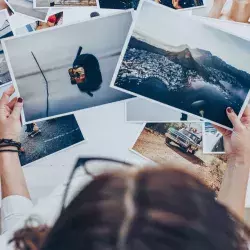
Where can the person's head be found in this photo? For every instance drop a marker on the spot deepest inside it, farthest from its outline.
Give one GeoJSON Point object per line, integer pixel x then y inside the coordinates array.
{"type": "Point", "coordinates": [152, 209]}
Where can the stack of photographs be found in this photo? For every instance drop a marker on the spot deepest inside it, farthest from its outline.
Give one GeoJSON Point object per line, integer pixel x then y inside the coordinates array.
{"type": "Point", "coordinates": [175, 74]}
{"type": "Point", "coordinates": [48, 81]}
{"type": "Point", "coordinates": [184, 81]}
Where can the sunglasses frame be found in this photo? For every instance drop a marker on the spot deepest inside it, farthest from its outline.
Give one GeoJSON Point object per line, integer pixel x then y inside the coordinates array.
{"type": "Point", "coordinates": [81, 162]}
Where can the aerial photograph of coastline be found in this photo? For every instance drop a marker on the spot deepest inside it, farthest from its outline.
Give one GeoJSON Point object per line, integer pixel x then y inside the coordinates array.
{"type": "Point", "coordinates": [191, 72]}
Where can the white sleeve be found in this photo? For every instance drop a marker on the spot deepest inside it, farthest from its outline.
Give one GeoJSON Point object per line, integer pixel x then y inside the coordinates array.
{"type": "Point", "coordinates": [14, 208]}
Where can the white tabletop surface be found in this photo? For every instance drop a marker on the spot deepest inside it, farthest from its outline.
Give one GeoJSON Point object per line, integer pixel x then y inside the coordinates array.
{"type": "Point", "coordinates": [104, 127]}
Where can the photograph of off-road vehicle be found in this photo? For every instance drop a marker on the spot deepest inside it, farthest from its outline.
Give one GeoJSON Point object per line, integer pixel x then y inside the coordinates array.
{"type": "Point", "coordinates": [180, 142]}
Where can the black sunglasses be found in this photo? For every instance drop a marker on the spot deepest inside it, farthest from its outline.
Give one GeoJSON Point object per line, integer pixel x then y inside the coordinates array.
{"type": "Point", "coordinates": [81, 162]}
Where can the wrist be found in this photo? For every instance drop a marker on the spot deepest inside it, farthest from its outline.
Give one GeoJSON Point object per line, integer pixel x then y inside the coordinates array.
{"type": "Point", "coordinates": [242, 161]}
{"type": "Point", "coordinates": [10, 136]}
{"type": "Point", "coordinates": [9, 147]}
{"type": "Point", "coordinates": [7, 159]}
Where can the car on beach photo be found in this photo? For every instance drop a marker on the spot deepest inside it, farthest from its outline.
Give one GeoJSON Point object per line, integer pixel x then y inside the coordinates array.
{"type": "Point", "coordinates": [187, 140]}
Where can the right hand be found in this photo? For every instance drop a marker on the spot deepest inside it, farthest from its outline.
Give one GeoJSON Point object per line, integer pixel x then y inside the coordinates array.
{"type": "Point", "coordinates": [237, 142]}
{"type": "Point", "coordinates": [10, 112]}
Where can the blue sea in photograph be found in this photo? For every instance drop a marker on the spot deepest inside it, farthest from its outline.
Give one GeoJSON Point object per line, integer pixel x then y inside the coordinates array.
{"type": "Point", "coordinates": [189, 79]}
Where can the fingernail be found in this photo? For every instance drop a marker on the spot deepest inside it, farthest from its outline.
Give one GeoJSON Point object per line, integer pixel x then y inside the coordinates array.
{"type": "Point", "coordinates": [20, 99]}
{"type": "Point", "coordinates": [229, 110]}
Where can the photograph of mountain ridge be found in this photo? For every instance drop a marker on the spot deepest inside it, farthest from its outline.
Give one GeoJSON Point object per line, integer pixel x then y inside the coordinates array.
{"type": "Point", "coordinates": [185, 76]}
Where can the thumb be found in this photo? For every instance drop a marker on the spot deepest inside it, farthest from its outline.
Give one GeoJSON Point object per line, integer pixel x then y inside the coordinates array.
{"type": "Point", "coordinates": [237, 124]}
{"type": "Point", "coordinates": [16, 113]}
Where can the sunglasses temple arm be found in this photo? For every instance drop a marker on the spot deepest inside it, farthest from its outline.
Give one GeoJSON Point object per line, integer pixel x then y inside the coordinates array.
{"type": "Point", "coordinates": [68, 184]}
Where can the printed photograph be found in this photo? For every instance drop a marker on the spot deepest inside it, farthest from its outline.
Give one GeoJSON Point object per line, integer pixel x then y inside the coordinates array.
{"type": "Point", "coordinates": [213, 140]}
{"type": "Point", "coordinates": [227, 10]}
{"type": "Point", "coordinates": [5, 31]}
{"type": "Point", "coordinates": [181, 4]}
{"type": "Point", "coordinates": [133, 4]}
{"type": "Point", "coordinates": [118, 4]}
{"type": "Point", "coordinates": [25, 7]}
{"type": "Point", "coordinates": [68, 68]}
{"type": "Point", "coordinates": [44, 138]}
{"type": "Point", "coordinates": [4, 5]}
{"type": "Point", "coordinates": [141, 110]}
{"type": "Point", "coordinates": [189, 71]}
{"type": "Point", "coordinates": [64, 3]}
{"type": "Point", "coordinates": [180, 142]}
{"type": "Point", "coordinates": [53, 20]}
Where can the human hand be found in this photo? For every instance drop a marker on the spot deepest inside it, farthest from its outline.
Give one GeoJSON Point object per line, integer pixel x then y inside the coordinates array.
{"type": "Point", "coordinates": [237, 142]}
{"type": "Point", "coordinates": [10, 111]}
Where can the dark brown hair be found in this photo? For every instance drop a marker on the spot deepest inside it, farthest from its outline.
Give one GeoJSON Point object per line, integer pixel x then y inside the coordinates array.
{"type": "Point", "coordinates": [152, 209]}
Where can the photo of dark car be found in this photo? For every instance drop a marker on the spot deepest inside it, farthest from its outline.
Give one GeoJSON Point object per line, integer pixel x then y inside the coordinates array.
{"type": "Point", "coordinates": [187, 140]}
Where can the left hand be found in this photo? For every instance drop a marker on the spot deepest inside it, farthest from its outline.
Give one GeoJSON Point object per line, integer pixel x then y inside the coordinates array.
{"type": "Point", "coordinates": [10, 112]}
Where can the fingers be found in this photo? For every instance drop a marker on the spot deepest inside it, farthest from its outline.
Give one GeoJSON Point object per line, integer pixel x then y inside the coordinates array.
{"type": "Point", "coordinates": [6, 95]}
{"type": "Point", "coordinates": [237, 124]}
{"type": "Point", "coordinates": [246, 111]}
{"type": "Point", "coordinates": [11, 104]}
{"type": "Point", "coordinates": [16, 113]}
{"type": "Point", "coordinates": [223, 131]}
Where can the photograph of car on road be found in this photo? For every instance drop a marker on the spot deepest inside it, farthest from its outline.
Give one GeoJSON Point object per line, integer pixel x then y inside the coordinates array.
{"type": "Point", "coordinates": [47, 137]}
{"type": "Point", "coordinates": [181, 142]}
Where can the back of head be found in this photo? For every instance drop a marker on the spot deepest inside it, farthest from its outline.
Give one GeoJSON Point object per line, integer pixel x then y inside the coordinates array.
{"type": "Point", "coordinates": [158, 208]}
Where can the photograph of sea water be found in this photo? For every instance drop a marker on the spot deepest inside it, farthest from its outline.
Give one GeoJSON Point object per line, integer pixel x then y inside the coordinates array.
{"type": "Point", "coordinates": [201, 72]}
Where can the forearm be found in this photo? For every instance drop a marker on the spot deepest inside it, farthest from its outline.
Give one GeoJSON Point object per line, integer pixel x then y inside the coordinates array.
{"type": "Point", "coordinates": [12, 177]}
{"type": "Point", "coordinates": [234, 185]}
